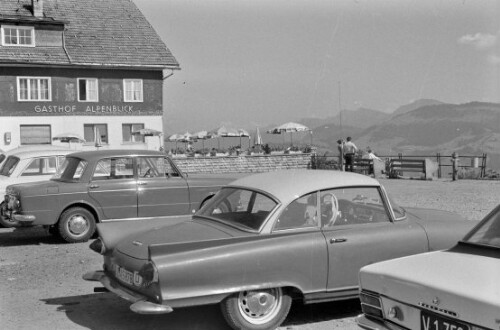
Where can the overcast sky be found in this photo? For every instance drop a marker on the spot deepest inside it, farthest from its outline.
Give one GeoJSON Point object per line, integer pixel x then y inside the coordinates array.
{"type": "Point", "coordinates": [249, 63]}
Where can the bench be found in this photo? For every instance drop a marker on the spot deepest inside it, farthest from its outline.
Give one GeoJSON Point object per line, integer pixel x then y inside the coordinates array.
{"type": "Point", "coordinates": [398, 166]}
{"type": "Point", "coordinates": [363, 166]}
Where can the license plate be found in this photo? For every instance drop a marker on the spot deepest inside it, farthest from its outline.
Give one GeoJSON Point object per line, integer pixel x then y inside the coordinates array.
{"type": "Point", "coordinates": [124, 275]}
{"type": "Point", "coordinates": [430, 321]}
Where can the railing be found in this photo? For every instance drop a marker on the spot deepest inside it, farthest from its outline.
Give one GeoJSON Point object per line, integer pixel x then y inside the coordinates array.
{"type": "Point", "coordinates": [443, 162]}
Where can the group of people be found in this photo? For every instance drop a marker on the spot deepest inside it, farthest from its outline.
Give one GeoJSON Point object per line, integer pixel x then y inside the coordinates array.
{"type": "Point", "coordinates": [347, 152]}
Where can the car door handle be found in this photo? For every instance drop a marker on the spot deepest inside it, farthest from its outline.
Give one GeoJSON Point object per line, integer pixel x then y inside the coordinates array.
{"type": "Point", "coordinates": [338, 240]}
{"type": "Point", "coordinates": [94, 186]}
{"type": "Point", "coordinates": [141, 183]}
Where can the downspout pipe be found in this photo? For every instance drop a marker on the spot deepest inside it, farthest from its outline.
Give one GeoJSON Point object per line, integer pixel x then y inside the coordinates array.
{"type": "Point", "coordinates": [64, 46]}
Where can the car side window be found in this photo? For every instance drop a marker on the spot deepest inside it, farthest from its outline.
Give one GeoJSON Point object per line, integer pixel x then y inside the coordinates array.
{"type": "Point", "coordinates": [301, 213]}
{"type": "Point", "coordinates": [348, 206]}
{"type": "Point", "coordinates": [150, 167]}
{"type": "Point", "coordinates": [40, 166]}
{"type": "Point", "coordinates": [114, 168]}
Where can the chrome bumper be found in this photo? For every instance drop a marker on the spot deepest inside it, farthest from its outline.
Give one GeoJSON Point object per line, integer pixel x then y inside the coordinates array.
{"type": "Point", "coordinates": [25, 219]}
{"type": "Point", "coordinates": [139, 303]}
{"type": "Point", "coordinates": [371, 324]}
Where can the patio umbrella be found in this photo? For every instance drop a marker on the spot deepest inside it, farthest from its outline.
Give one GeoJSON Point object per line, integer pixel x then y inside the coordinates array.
{"type": "Point", "coordinates": [242, 132]}
{"type": "Point", "coordinates": [289, 127]}
{"type": "Point", "coordinates": [187, 138]}
{"type": "Point", "coordinates": [147, 132]}
{"type": "Point", "coordinates": [176, 138]}
{"type": "Point", "coordinates": [97, 138]}
{"type": "Point", "coordinates": [201, 135]}
{"type": "Point", "coordinates": [68, 137]}
{"type": "Point", "coordinates": [150, 132]}
{"type": "Point", "coordinates": [257, 139]}
{"type": "Point", "coordinates": [223, 131]}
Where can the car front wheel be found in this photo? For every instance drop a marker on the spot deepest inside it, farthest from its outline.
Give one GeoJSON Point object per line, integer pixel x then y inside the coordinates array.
{"type": "Point", "coordinates": [76, 225]}
{"type": "Point", "coordinates": [256, 310]}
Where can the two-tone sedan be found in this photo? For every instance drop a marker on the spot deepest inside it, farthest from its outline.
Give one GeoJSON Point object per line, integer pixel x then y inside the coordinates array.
{"type": "Point", "coordinates": [108, 185]}
{"type": "Point", "coordinates": [455, 289]}
{"type": "Point", "coordinates": [264, 240]}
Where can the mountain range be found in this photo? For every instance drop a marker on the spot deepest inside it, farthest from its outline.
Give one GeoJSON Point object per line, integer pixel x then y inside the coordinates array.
{"type": "Point", "coordinates": [425, 127]}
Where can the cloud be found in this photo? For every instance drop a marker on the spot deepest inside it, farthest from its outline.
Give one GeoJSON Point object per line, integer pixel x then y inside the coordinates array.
{"type": "Point", "coordinates": [494, 59]}
{"type": "Point", "coordinates": [480, 41]}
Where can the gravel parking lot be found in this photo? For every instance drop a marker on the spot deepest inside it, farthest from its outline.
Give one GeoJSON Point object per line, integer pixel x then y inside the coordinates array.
{"type": "Point", "coordinates": [41, 285]}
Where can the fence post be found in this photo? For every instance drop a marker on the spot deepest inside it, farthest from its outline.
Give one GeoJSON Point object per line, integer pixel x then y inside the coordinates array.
{"type": "Point", "coordinates": [438, 158]}
{"type": "Point", "coordinates": [483, 166]}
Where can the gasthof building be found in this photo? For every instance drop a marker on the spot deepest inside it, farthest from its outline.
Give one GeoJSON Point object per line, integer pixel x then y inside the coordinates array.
{"type": "Point", "coordinates": [94, 68]}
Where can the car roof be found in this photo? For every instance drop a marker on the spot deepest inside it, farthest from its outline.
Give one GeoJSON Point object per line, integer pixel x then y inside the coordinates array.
{"type": "Point", "coordinates": [33, 147]}
{"type": "Point", "coordinates": [287, 185]}
{"type": "Point", "coordinates": [40, 153]}
{"type": "Point", "coordinates": [98, 154]}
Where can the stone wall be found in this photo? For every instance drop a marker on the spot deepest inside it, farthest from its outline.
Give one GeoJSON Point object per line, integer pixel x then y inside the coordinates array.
{"type": "Point", "coordinates": [243, 163]}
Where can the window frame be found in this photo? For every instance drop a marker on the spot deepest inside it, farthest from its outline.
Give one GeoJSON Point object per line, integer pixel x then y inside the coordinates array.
{"type": "Point", "coordinates": [28, 88]}
{"type": "Point", "coordinates": [92, 140]}
{"type": "Point", "coordinates": [133, 137]}
{"type": "Point", "coordinates": [18, 28]}
{"type": "Point", "coordinates": [30, 127]}
{"type": "Point", "coordinates": [132, 83]}
{"type": "Point", "coordinates": [87, 89]}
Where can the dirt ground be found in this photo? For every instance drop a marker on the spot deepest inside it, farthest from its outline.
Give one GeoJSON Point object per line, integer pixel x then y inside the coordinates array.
{"type": "Point", "coordinates": [41, 283]}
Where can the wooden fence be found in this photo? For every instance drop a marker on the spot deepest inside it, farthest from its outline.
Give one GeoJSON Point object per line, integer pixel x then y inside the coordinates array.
{"type": "Point", "coordinates": [444, 162]}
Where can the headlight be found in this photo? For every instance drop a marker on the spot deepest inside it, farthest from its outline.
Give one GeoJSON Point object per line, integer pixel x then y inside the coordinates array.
{"type": "Point", "coordinates": [371, 305]}
{"type": "Point", "coordinates": [149, 274]}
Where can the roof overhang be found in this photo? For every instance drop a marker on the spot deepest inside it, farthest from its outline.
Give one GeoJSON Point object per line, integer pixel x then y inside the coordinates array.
{"type": "Point", "coordinates": [16, 20]}
{"type": "Point", "coordinates": [90, 66]}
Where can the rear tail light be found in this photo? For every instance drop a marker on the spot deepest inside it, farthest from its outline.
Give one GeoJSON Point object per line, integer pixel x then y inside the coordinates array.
{"type": "Point", "coordinates": [149, 274]}
{"type": "Point", "coordinates": [371, 305]}
{"type": "Point", "coordinates": [98, 246]}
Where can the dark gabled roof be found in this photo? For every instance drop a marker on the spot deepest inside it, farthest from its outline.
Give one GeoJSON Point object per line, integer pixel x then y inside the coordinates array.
{"type": "Point", "coordinates": [112, 33]}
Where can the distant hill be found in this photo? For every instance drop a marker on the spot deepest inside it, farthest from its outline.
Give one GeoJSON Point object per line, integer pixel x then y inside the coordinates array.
{"type": "Point", "coordinates": [415, 105]}
{"type": "Point", "coordinates": [468, 129]}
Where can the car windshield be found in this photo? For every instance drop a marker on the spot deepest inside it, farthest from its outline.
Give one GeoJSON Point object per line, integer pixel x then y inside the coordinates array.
{"type": "Point", "coordinates": [71, 169]}
{"type": "Point", "coordinates": [238, 207]}
{"type": "Point", "coordinates": [488, 232]}
{"type": "Point", "coordinates": [9, 166]}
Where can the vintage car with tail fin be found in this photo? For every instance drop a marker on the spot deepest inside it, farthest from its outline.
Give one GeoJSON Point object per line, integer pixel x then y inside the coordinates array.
{"type": "Point", "coordinates": [264, 240]}
{"type": "Point", "coordinates": [109, 185]}
{"type": "Point", "coordinates": [454, 289]}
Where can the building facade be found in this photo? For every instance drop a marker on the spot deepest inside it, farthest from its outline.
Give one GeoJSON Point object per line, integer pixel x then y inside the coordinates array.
{"type": "Point", "coordinates": [90, 68]}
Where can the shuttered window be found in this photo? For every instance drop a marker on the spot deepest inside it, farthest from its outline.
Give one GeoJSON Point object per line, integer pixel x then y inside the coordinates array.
{"type": "Point", "coordinates": [35, 134]}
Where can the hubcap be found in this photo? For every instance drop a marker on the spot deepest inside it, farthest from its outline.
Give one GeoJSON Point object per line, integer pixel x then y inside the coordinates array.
{"type": "Point", "coordinates": [77, 224]}
{"type": "Point", "coordinates": [259, 307]}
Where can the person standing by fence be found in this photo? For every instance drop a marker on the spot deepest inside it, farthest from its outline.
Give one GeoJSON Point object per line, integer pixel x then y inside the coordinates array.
{"type": "Point", "coordinates": [350, 150]}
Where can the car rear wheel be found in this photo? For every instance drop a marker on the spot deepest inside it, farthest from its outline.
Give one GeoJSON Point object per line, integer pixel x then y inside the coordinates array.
{"type": "Point", "coordinates": [76, 225]}
{"type": "Point", "coordinates": [256, 310]}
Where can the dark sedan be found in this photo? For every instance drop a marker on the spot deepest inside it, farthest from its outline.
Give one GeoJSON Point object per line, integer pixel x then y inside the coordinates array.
{"type": "Point", "coordinates": [106, 185]}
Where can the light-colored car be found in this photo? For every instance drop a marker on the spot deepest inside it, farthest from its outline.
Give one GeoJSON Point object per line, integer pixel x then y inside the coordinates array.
{"type": "Point", "coordinates": [35, 147]}
{"type": "Point", "coordinates": [29, 165]}
{"type": "Point", "coordinates": [455, 289]}
{"type": "Point", "coordinates": [264, 240]}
